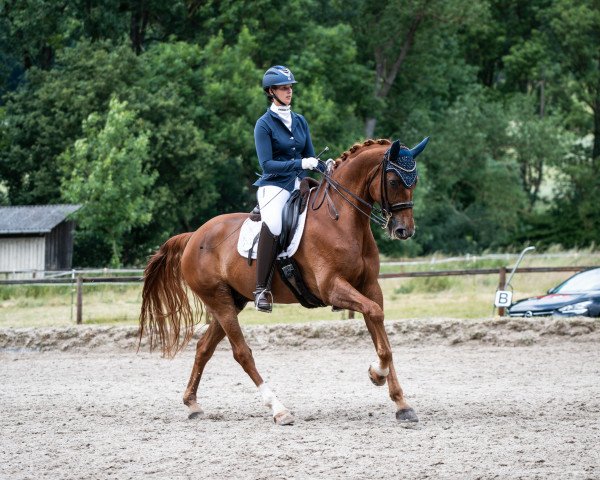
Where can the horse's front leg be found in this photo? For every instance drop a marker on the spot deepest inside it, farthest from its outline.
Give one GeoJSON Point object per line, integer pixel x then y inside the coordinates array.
{"type": "Point", "coordinates": [371, 306]}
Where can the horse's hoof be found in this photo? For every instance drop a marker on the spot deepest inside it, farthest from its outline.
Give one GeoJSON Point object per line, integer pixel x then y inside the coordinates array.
{"type": "Point", "coordinates": [195, 411]}
{"type": "Point", "coordinates": [407, 417]}
{"type": "Point", "coordinates": [284, 418]}
{"type": "Point", "coordinates": [376, 379]}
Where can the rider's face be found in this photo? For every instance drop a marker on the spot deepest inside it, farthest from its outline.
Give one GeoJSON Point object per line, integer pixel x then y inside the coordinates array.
{"type": "Point", "coordinates": [283, 93]}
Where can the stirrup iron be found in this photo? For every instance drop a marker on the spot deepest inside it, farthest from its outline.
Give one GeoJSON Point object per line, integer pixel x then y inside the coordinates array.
{"type": "Point", "coordinates": [263, 300]}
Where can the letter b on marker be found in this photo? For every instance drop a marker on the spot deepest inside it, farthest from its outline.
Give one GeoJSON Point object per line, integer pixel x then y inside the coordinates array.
{"type": "Point", "coordinates": [503, 298]}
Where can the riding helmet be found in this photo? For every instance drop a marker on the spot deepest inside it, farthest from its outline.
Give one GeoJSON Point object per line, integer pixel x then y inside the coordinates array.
{"type": "Point", "coordinates": [278, 75]}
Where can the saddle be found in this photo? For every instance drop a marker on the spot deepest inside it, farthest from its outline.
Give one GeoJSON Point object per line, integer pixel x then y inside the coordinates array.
{"type": "Point", "coordinates": [288, 268]}
{"type": "Point", "coordinates": [292, 209]}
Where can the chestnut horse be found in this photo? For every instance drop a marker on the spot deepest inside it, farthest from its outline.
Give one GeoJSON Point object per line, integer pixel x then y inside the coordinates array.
{"type": "Point", "coordinates": [338, 257]}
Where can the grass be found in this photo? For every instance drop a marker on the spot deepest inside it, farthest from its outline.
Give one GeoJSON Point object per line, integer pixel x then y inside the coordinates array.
{"type": "Point", "coordinates": [456, 296]}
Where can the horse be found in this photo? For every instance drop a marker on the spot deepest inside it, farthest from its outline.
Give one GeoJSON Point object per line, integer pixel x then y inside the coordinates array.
{"type": "Point", "coordinates": [338, 258]}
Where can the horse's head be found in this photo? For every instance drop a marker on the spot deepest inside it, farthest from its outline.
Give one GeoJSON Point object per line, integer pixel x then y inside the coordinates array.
{"type": "Point", "coordinates": [394, 190]}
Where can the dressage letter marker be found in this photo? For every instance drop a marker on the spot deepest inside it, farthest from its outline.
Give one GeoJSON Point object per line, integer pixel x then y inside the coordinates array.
{"type": "Point", "coordinates": [503, 298]}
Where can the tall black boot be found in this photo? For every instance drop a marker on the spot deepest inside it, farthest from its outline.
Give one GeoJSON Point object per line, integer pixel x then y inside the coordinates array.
{"type": "Point", "coordinates": [265, 261]}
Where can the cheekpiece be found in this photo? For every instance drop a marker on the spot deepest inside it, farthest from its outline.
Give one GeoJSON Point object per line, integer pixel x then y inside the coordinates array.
{"type": "Point", "coordinates": [399, 159]}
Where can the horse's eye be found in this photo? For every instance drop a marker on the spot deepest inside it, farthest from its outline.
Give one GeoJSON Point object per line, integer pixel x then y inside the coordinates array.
{"type": "Point", "coordinates": [393, 183]}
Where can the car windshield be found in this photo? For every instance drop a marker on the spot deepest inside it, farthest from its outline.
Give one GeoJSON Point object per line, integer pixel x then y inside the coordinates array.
{"type": "Point", "coordinates": [582, 282]}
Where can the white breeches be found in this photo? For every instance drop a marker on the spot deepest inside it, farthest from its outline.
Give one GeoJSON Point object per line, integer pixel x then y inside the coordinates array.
{"type": "Point", "coordinates": [271, 201]}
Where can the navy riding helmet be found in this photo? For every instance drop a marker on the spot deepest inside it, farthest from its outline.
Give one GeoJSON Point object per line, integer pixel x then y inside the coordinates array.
{"type": "Point", "coordinates": [277, 75]}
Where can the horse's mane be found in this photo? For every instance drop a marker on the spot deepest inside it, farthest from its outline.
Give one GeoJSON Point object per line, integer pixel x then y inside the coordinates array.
{"type": "Point", "coordinates": [357, 146]}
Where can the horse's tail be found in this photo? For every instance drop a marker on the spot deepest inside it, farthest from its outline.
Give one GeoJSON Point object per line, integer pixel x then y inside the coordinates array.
{"type": "Point", "coordinates": [167, 316]}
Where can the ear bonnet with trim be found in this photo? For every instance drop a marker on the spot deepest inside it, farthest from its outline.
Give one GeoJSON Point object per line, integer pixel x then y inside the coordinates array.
{"type": "Point", "coordinates": [401, 160]}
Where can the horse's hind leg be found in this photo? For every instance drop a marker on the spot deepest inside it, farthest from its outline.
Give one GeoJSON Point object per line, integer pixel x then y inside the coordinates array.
{"type": "Point", "coordinates": [204, 351]}
{"type": "Point", "coordinates": [227, 317]}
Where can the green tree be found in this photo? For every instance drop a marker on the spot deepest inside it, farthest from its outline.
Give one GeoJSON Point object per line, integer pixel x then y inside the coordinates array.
{"type": "Point", "coordinates": [403, 29]}
{"type": "Point", "coordinates": [473, 194]}
{"type": "Point", "coordinates": [575, 26]}
{"type": "Point", "coordinates": [561, 59]}
{"type": "Point", "coordinates": [330, 77]}
{"type": "Point", "coordinates": [105, 172]}
{"type": "Point", "coordinates": [538, 144]}
{"type": "Point", "coordinates": [45, 115]}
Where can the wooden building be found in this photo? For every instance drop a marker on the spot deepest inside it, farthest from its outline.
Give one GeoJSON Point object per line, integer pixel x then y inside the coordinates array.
{"type": "Point", "coordinates": [36, 238]}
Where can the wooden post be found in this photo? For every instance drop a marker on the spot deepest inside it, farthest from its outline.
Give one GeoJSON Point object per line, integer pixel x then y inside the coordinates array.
{"type": "Point", "coordinates": [79, 300]}
{"type": "Point", "coordinates": [350, 314]}
{"type": "Point", "coordinates": [502, 286]}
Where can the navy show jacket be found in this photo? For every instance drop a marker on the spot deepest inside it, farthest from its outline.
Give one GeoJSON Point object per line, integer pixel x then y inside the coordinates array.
{"type": "Point", "coordinates": [280, 152]}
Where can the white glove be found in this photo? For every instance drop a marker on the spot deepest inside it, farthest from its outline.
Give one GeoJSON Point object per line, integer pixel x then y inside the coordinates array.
{"type": "Point", "coordinates": [310, 163]}
{"type": "Point", "coordinates": [329, 164]}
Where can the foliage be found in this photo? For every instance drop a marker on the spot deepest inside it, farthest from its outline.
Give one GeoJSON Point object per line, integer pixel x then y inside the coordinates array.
{"type": "Point", "coordinates": [508, 91]}
{"type": "Point", "coordinates": [45, 115]}
{"type": "Point", "coordinates": [472, 187]}
{"type": "Point", "coordinates": [105, 172]}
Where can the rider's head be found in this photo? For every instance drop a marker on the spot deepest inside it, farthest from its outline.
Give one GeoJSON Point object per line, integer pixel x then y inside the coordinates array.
{"type": "Point", "coordinates": [277, 84]}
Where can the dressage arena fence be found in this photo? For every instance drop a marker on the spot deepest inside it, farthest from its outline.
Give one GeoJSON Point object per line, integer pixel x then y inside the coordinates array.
{"type": "Point", "coordinates": [78, 278]}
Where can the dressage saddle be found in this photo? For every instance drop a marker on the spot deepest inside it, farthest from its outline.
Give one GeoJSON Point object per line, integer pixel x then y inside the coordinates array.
{"type": "Point", "coordinates": [288, 268]}
{"type": "Point", "coordinates": [292, 210]}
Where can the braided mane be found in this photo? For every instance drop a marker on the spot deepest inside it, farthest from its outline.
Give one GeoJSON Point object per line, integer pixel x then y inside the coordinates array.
{"type": "Point", "coordinates": [357, 146]}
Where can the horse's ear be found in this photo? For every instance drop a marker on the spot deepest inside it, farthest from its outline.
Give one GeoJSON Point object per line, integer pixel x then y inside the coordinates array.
{"type": "Point", "coordinates": [394, 150]}
{"type": "Point", "coordinates": [420, 147]}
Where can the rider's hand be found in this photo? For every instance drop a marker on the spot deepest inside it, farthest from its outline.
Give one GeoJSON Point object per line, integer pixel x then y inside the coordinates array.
{"type": "Point", "coordinates": [310, 163]}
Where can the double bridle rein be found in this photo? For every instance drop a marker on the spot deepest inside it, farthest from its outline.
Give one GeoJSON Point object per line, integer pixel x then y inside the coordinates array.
{"type": "Point", "coordinates": [381, 217]}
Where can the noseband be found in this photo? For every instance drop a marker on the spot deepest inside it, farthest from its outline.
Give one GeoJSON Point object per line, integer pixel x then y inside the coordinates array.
{"type": "Point", "coordinates": [408, 174]}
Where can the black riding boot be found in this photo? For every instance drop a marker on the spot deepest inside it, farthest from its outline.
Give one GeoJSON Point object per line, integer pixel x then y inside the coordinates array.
{"type": "Point", "coordinates": [265, 260]}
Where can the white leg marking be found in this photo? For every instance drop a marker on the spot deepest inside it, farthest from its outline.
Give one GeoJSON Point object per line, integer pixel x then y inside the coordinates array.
{"type": "Point", "coordinates": [270, 400]}
{"type": "Point", "coordinates": [382, 372]}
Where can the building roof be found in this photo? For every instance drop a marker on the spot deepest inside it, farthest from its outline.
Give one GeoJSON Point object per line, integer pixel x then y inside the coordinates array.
{"type": "Point", "coordinates": [33, 218]}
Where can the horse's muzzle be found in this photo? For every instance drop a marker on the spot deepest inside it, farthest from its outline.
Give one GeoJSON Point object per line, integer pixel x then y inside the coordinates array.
{"type": "Point", "coordinates": [400, 231]}
{"type": "Point", "coordinates": [403, 233]}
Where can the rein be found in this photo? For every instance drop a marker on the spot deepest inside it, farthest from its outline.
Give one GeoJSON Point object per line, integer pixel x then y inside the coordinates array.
{"type": "Point", "coordinates": [382, 217]}
{"type": "Point", "coordinates": [342, 191]}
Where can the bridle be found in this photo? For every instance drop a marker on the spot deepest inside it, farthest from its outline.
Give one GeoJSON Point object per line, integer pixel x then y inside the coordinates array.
{"type": "Point", "coordinates": [381, 217]}
{"type": "Point", "coordinates": [388, 165]}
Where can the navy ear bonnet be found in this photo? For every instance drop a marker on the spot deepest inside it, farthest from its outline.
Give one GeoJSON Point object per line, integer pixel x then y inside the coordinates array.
{"type": "Point", "coordinates": [400, 160]}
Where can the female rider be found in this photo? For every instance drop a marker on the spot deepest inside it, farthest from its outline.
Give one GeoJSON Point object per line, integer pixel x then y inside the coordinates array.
{"type": "Point", "coordinates": [284, 150]}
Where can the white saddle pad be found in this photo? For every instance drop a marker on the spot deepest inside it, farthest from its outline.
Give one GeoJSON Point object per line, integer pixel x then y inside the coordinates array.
{"type": "Point", "coordinates": [251, 229]}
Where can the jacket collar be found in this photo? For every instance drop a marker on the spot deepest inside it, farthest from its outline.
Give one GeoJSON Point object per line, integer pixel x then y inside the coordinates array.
{"type": "Point", "coordinates": [276, 117]}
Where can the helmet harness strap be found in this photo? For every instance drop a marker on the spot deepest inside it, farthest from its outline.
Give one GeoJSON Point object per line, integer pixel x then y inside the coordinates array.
{"type": "Point", "coordinates": [272, 95]}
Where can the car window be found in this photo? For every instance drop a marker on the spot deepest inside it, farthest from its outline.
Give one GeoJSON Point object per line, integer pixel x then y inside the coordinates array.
{"type": "Point", "coordinates": [582, 282]}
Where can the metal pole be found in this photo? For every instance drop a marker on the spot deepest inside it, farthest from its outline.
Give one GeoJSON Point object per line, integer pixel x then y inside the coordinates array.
{"type": "Point", "coordinates": [79, 300]}
{"type": "Point", "coordinates": [528, 249]}
{"type": "Point", "coordinates": [501, 286]}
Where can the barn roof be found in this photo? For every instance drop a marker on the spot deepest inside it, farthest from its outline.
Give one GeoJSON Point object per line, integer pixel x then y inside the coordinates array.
{"type": "Point", "coordinates": [33, 218]}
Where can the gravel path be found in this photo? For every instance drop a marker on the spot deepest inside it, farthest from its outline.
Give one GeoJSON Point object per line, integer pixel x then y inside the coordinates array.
{"type": "Point", "coordinates": [89, 409]}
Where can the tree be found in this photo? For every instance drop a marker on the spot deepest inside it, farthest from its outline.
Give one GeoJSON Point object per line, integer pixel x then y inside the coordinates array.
{"type": "Point", "coordinates": [45, 115]}
{"type": "Point", "coordinates": [575, 28]}
{"type": "Point", "coordinates": [563, 59]}
{"type": "Point", "coordinates": [473, 196]}
{"type": "Point", "coordinates": [105, 171]}
{"type": "Point", "coordinates": [538, 144]}
{"type": "Point", "coordinates": [401, 28]}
